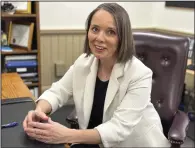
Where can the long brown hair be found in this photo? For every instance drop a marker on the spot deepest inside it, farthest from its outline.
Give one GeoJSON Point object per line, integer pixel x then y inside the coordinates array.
{"type": "Point", "coordinates": [126, 47]}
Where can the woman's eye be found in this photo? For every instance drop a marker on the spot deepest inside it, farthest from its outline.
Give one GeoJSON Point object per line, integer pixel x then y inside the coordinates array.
{"type": "Point", "coordinates": [94, 29]}
{"type": "Point", "coordinates": [111, 32]}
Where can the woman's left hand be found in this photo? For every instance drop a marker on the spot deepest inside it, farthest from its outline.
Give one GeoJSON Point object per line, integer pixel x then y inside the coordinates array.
{"type": "Point", "coordinates": [51, 132]}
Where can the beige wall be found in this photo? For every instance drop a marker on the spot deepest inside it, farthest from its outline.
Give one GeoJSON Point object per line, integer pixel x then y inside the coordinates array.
{"type": "Point", "coordinates": [76, 13]}
{"type": "Point", "coordinates": [176, 19]}
{"type": "Point", "coordinates": [142, 15]}
{"type": "Point", "coordinates": [58, 47]}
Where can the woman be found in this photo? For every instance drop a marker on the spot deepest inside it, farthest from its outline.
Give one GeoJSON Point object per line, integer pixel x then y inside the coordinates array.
{"type": "Point", "coordinates": [110, 87]}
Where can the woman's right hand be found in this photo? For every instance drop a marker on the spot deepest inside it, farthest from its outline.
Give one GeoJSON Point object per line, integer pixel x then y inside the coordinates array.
{"type": "Point", "coordinates": [34, 115]}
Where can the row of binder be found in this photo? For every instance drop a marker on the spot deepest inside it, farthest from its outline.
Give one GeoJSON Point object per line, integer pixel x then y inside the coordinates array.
{"type": "Point", "coordinates": [25, 65]}
{"type": "Point", "coordinates": [22, 69]}
{"type": "Point", "coordinates": [21, 63]}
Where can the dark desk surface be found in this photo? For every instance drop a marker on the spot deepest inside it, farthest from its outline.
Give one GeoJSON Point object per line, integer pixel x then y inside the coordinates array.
{"type": "Point", "coordinates": [15, 110]}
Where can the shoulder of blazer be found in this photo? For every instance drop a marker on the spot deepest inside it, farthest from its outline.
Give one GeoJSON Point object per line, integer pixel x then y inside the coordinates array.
{"type": "Point", "coordinates": [84, 61]}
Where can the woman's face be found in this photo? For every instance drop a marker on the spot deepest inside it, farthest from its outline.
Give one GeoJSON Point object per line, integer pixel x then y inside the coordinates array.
{"type": "Point", "coordinates": [102, 35]}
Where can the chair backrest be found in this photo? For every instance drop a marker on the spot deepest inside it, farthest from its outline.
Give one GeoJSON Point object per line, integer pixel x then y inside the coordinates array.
{"type": "Point", "coordinates": [166, 56]}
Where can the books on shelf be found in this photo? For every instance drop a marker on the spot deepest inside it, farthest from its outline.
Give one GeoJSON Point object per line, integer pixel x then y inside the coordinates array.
{"type": "Point", "coordinates": [30, 80]}
{"type": "Point", "coordinates": [20, 63]}
{"type": "Point", "coordinates": [20, 57]}
{"type": "Point", "coordinates": [34, 91]}
{"type": "Point", "coordinates": [22, 69]}
{"type": "Point", "coordinates": [25, 65]}
{"type": "Point", "coordinates": [25, 75]}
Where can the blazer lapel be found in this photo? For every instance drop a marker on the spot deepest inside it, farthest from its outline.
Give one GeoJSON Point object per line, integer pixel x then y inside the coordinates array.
{"type": "Point", "coordinates": [113, 86]}
{"type": "Point", "coordinates": [89, 91]}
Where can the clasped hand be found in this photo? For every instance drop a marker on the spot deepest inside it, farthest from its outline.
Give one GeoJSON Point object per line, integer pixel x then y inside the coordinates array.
{"type": "Point", "coordinates": [49, 132]}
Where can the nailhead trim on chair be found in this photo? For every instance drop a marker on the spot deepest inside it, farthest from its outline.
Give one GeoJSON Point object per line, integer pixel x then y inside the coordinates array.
{"type": "Point", "coordinates": [175, 142]}
{"type": "Point", "coordinates": [72, 122]}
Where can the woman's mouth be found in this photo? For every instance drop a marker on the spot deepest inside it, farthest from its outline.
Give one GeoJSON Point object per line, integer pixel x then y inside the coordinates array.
{"type": "Point", "coordinates": [99, 48]}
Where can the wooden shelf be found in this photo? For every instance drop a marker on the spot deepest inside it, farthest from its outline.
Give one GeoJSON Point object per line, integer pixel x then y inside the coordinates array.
{"type": "Point", "coordinates": [18, 15]}
{"type": "Point", "coordinates": [33, 84]}
{"type": "Point", "coordinates": [15, 51]}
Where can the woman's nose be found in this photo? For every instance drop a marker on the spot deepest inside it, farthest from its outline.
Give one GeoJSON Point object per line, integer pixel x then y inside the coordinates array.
{"type": "Point", "coordinates": [100, 36]}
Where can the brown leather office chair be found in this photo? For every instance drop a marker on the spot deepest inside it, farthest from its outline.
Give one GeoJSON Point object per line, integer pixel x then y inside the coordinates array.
{"type": "Point", "coordinates": [166, 56]}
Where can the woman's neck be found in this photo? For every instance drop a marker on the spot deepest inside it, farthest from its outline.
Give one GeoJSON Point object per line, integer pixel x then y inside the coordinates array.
{"type": "Point", "coordinates": [105, 69]}
{"type": "Point", "coordinates": [106, 65]}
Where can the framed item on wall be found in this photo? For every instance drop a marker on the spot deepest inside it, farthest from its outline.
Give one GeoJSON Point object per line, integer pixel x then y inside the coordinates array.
{"type": "Point", "coordinates": [22, 7]}
{"type": "Point", "coordinates": [20, 35]}
{"type": "Point", "coordinates": [180, 4]}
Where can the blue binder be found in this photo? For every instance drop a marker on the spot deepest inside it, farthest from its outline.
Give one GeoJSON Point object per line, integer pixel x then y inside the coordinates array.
{"type": "Point", "coordinates": [21, 63]}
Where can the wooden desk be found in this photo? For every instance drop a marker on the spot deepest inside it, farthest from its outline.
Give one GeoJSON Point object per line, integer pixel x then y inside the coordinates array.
{"type": "Point", "coordinates": [12, 86]}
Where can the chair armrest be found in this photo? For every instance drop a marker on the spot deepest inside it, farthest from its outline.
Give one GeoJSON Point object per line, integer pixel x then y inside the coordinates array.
{"type": "Point", "coordinates": [72, 119]}
{"type": "Point", "coordinates": [177, 132]}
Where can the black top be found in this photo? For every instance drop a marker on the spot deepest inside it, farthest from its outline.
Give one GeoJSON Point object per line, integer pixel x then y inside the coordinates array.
{"type": "Point", "coordinates": [98, 103]}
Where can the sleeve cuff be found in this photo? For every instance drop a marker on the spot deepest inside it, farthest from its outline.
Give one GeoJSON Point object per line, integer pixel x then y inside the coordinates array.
{"type": "Point", "coordinates": [51, 100]}
{"type": "Point", "coordinates": [104, 132]}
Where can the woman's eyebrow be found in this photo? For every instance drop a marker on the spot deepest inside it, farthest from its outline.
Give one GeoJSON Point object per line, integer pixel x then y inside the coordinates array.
{"type": "Point", "coordinates": [94, 25]}
{"type": "Point", "coordinates": [112, 28]}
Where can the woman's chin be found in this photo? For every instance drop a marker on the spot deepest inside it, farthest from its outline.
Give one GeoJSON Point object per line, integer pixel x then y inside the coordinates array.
{"type": "Point", "coordinates": [98, 56]}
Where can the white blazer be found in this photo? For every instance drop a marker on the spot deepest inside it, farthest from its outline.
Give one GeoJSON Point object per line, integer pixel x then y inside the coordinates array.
{"type": "Point", "coordinates": [129, 118]}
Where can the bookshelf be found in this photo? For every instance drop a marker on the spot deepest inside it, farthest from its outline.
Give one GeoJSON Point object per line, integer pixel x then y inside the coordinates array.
{"type": "Point", "coordinates": [18, 15]}
{"type": "Point", "coordinates": [34, 50]}
{"type": "Point", "coordinates": [18, 51]}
